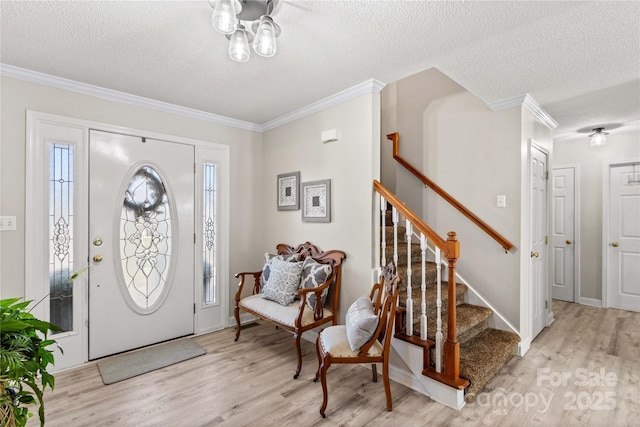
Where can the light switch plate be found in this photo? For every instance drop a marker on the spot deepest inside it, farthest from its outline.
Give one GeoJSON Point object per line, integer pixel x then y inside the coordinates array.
{"type": "Point", "coordinates": [7, 223]}
{"type": "Point", "coordinates": [501, 201]}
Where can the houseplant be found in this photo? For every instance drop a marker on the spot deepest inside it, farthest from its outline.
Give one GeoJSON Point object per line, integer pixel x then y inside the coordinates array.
{"type": "Point", "coordinates": [24, 358]}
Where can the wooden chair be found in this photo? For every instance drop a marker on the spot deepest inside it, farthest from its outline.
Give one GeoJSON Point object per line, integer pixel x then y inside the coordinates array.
{"type": "Point", "coordinates": [333, 347]}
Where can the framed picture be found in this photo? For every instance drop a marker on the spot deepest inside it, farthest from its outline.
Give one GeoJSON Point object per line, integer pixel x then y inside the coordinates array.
{"type": "Point", "coordinates": [288, 191]}
{"type": "Point", "coordinates": [316, 201]}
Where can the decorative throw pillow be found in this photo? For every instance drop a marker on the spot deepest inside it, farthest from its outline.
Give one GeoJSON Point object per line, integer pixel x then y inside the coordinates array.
{"type": "Point", "coordinates": [267, 263]}
{"type": "Point", "coordinates": [283, 281]}
{"type": "Point", "coordinates": [361, 322]}
{"type": "Point", "coordinates": [315, 274]}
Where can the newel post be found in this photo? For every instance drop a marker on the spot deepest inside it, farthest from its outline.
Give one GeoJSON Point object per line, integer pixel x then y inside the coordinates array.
{"type": "Point", "coordinates": [451, 345]}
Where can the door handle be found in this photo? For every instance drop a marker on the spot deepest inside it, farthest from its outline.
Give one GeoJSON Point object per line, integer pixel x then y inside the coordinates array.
{"type": "Point", "coordinates": [615, 244]}
{"type": "Point", "coordinates": [535, 254]}
{"type": "Point", "coordinates": [97, 258]}
{"type": "Point", "coordinates": [568, 242]}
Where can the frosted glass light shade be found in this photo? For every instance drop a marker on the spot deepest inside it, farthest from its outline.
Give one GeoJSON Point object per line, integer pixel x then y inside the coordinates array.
{"type": "Point", "coordinates": [265, 41]}
{"type": "Point", "coordinates": [598, 139]}
{"type": "Point", "coordinates": [224, 16]}
{"type": "Point", "coordinates": [239, 49]}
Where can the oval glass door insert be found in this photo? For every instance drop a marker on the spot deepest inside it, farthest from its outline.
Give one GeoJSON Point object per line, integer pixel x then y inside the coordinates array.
{"type": "Point", "coordinates": [145, 238]}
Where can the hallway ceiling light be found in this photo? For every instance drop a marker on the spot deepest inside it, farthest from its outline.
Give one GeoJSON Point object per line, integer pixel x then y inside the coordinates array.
{"type": "Point", "coordinates": [227, 19]}
{"type": "Point", "coordinates": [598, 137]}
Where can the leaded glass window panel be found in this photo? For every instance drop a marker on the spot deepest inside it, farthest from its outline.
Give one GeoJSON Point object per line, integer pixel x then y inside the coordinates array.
{"type": "Point", "coordinates": [209, 235]}
{"type": "Point", "coordinates": [61, 235]}
{"type": "Point", "coordinates": [145, 237]}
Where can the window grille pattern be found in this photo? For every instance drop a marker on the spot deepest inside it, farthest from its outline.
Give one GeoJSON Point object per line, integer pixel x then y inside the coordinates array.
{"type": "Point", "coordinates": [209, 234]}
{"type": "Point", "coordinates": [145, 237]}
{"type": "Point", "coordinates": [61, 235]}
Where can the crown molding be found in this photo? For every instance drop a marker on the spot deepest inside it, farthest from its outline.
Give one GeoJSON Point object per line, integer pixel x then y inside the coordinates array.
{"type": "Point", "coordinates": [369, 86]}
{"type": "Point", "coordinates": [114, 95]}
{"type": "Point", "coordinates": [530, 104]}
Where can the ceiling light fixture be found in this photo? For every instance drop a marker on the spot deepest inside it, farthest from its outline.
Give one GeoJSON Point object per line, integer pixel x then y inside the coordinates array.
{"type": "Point", "coordinates": [227, 19]}
{"type": "Point", "coordinates": [598, 137]}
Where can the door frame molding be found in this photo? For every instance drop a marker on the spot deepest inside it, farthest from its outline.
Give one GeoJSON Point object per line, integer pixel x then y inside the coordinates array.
{"type": "Point", "coordinates": [606, 194]}
{"type": "Point", "coordinates": [576, 227]}
{"type": "Point", "coordinates": [36, 276]}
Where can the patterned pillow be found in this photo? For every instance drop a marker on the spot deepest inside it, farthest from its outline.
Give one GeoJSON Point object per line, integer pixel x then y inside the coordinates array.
{"type": "Point", "coordinates": [283, 281]}
{"type": "Point", "coordinates": [361, 322]}
{"type": "Point", "coordinates": [315, 274]}
{"type": "Point", "coordinates": [267, 264]}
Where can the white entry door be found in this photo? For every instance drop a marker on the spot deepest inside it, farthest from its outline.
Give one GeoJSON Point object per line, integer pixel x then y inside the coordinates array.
{"type": "Point", "coordinates": [141, 249]}
{"type": "Point", "coordinates": [563, 235]}
{"type": "Point", "coordinates": [623, 243]}
{"type": "Point", "coordinates": [538, 233]}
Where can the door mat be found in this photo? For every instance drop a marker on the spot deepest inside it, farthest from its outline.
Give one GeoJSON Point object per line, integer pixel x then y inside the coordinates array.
{"type": "Point", "coordinates": [122, 367]}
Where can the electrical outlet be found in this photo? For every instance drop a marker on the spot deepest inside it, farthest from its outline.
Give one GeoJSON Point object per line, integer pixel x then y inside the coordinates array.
{"type": "Point", "coordinates": [7, 223]}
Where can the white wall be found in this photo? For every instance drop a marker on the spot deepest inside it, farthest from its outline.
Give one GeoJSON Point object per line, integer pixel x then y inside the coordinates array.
{"type": "Point", "coordinates": [352, 163]}
{"type": "Point", "coordinates": [19, 96]}
{"type": "Point", "coordinates": [620, 146]}
{"type": "Point", "coordinates": [474, 154]}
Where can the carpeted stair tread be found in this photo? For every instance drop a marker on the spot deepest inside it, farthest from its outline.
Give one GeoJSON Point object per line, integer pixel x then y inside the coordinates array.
{"type": "Point", "coordinates": [470, 320]}
{"type": "Point", "coordinates": [416, 255]}
{"type": "Point", "coordinates": [389, 232]}
{"type": "Point", "coordinates": [482, 357]}
{"type": "Point", "coordinates": [430, 295]}
{"type": "Point", "coordinates": [430, 275]}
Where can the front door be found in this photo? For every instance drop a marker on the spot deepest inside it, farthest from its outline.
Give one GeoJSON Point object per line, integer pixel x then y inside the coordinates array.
{"type": "Point", "coordinates": [141, 249]}
{"type": "Point", "coordinates": [538, 240]}
{"type": "Point", "coordinates": [563, 235]}
{"type": "Point", "coordinates": [623, 243]}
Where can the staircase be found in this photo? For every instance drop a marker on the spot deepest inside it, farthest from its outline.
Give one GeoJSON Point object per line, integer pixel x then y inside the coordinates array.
{"type": "Point", "coordinates": [483, 350]}
{"type": "Point", "coordinates": [459, 349]}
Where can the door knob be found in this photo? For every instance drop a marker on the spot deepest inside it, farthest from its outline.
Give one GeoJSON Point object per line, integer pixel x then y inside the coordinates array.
{"type": "Point", "coordinates": [615, 244]}
{"type": "Point", "coordinates": [568, 242]}
{"type": "Point", "coordinates": [97, 258]}
{"type": "Point", "coordinates": [535, 254]}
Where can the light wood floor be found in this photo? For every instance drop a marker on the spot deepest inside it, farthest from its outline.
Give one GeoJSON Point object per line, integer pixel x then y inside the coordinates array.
{"type": "Point", "coordinates": [250, 383]}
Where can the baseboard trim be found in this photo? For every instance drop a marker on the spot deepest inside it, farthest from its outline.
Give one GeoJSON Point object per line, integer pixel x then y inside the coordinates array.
{"type": "Point", "coordinates": [523, 347]}
{"type": "Point", "coordinates": [244, 319]}
{"type": "Point", "coordinates": [592, 302]}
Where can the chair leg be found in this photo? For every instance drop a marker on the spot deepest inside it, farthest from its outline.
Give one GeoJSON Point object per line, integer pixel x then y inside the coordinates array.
{"type": "Point", "coordinates": [296, 344]}
{"type": "Point", "coordinates": [323, 380]}
{"type": "Point", "coordinates": [387, 386]}
{"type": "Point", "coordinates": [374, 372]}
{"type": "Point", "coordinates": [319, 357]}
{"type": "Point", "coordinates": [236, 314]}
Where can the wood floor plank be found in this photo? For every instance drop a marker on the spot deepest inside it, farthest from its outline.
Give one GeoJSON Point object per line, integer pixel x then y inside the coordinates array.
{"type": "Point", "coordinates": [250, 383]}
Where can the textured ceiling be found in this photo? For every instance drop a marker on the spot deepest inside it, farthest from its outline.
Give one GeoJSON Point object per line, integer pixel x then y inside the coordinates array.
{"type": "Point", "coordinates": [579, 60]}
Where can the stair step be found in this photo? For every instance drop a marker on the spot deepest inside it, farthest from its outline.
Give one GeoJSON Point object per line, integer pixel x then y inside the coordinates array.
{"type": "Point", "coordinates": [430, 295]}
{"type": "Point", "coordinates": [482, 357]}
{"type": "Point", "coordinates": [416, 275]}
{"type": "Point", "coordinates": [389, 233]}
{"type": "Point", "coordinates": [470, 321]}
{"type": "Point", "coordinates": [416, 255]}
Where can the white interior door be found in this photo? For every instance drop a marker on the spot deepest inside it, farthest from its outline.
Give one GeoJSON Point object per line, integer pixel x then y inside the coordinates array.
{"type": "Point", "coordinates": [538, 240]}
{"type": "Point", "coordinates": [141, 250]}
{"type": "Point", "coordinates": [563, 235]}
{"type": "Point", "coordinates": [623, 243]}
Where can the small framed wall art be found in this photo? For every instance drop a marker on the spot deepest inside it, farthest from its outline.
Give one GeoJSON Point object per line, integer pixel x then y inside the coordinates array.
{"type": "Point", "coordinates": [316, 201]}
{"type": "Point", "coordinates": [289, 191]}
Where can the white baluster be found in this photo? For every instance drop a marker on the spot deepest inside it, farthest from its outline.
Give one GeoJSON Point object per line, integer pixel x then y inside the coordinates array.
{"type": "Point", "coordinates": [394, 217]}
{"type": "Point", "coordinates": [438, 312]}
{"type": "Point", "coordinates": [423, 288]}
{"type": "Point", "coordinates": [409, 303]}
{"type": "Point", "coordinates": [383, 245]}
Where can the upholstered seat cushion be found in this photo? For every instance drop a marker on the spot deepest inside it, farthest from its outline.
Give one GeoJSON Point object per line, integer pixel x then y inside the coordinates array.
{"type": "Point", "coordinates": [334, 341]}
{"type": "Point", "coordinates": [285, 315]}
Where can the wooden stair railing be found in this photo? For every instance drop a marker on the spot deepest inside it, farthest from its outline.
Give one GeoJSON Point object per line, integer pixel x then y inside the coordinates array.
{"type": "Point", "coordinates": [447, 365]}
{"type": "Point", "coordinates": [506, 244]}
